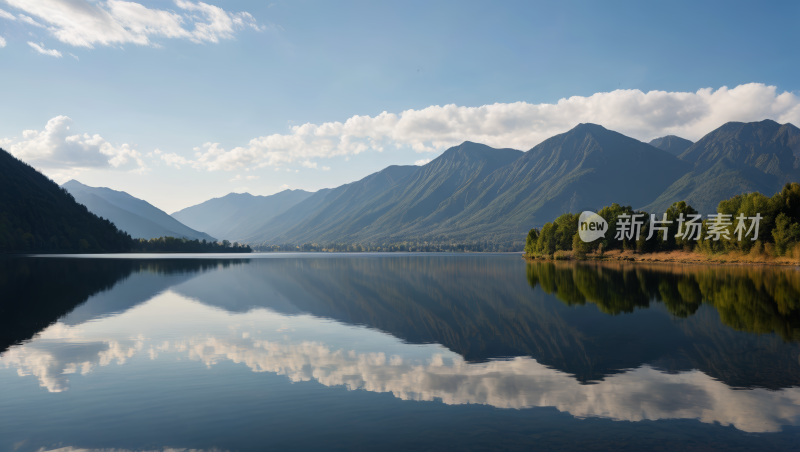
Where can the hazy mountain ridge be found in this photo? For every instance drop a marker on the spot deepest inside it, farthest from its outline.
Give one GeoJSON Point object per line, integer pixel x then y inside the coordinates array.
{"type": "Point", "coordinates": [238, 215]}
{"type": "Point", "coordinates": [135, 216]}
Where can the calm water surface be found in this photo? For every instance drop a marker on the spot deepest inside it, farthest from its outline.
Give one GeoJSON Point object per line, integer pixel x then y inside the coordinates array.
{"type": "Point", "coordinates": [395, 352]}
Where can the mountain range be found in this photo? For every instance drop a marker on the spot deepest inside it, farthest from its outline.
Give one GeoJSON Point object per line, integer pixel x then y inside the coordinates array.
{"type": "Point", "coordinates": [475, 192]}
{"type": "Point", "coordinates": [137, 217]}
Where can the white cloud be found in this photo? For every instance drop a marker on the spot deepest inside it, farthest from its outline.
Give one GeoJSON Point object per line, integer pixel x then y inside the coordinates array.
{"type": "Point", "coordinates": [175, 160]}
{"type": "Point", "coordinates": [517, 125]}
{"type": "Point", "coordinates": [326, 168]}
{"type": "Point", "coordinates": [422, 162]}
{"type": "Point", "coordinates": [40, 48]}
{"type": "Point", "coordinates": [239, 177]}
{"type": "Point", "coordinates": [7, 15]}
{"type": "Point", "coordinates": [30, 21]}
{"type": "Point", "coordinates": [74, 56]}
{"type": "Point", "coordinates": [2, 42]}
{"type": "Point", "coordinates": [309, 164]}
{"type": "Point", "coordinates": [54, 148]}
{"type": "Point", "coordinates": [284, 187]}
{"type": "Point", "coordinates": [113, 22]}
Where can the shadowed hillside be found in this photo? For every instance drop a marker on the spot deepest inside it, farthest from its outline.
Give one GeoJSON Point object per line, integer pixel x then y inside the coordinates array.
{"type": "Point", "coordinates": [38, 216]}
{"type": "Point", "coordinates": [137, 217]}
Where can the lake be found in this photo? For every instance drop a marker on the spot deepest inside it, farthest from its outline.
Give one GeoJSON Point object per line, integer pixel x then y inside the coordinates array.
{"type": "Point", "coordinates": [395, 352]}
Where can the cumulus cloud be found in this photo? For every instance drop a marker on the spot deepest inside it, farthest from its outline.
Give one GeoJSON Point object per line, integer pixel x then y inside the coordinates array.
{"type": "Point", "coordinates": [2, 42]}
{"type": "Point", "coordinates": [517, 125]}
{"type": "Point", "coordinates": [422, 162]}
{"type": "Point", "coordinates": [40, 48]}
{"type": "Point", "coordinates": [54, 148]}
{"type": "Point", "coordinates": [114, 22]}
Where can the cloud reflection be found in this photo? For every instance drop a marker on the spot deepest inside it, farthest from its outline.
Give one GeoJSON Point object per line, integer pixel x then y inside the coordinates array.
{"type": "Point", "coordinates": [258, 340]}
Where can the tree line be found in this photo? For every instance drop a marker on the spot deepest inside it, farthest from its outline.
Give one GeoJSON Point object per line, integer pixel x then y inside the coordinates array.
{"type": "Point", "coordinates": [412, 247]}
{"type": "Point", "coordinates": [778, 229]}
{"type": "Point", "coordinates": [183, 245]}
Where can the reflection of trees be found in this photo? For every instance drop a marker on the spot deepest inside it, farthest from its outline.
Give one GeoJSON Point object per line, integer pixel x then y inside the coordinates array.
{"type": "Point", "coordinates": [38, 291]}
{"type": "Point", "coordinates": [756, 300]}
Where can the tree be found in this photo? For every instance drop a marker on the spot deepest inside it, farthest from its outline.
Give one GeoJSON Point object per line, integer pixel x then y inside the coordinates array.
{"type": "Point", "coordinates": [530, 241]}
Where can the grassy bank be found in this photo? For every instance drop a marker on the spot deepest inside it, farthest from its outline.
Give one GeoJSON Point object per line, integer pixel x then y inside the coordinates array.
{"type": "Point", "coordinates": [754, 257]}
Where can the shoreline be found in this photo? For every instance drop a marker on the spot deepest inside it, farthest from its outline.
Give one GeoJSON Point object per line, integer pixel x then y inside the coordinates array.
{"type": "Point", "coordinates": [676, 257]}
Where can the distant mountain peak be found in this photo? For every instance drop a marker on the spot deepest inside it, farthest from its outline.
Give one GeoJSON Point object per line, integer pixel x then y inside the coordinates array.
{"type": "Point", "coordinates": [587, 126]}
{"type": "Point", "coordinates": [675, 145]}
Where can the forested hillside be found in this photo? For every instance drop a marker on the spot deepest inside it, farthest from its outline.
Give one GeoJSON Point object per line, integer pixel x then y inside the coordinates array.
{"type": "Point", "coordinates": [36, 215]}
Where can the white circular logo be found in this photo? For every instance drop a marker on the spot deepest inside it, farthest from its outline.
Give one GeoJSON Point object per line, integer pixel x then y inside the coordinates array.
{"type": "Point", "coordinates": [591, 226]}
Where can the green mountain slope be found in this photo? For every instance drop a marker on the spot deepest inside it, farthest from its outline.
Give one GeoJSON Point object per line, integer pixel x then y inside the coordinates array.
{"type": "Point", "coordinates": [36, 215]}
{"type": "Point", "coordinates": [583, 169]}
{"type": "Point", "coordinates": [140, 216]}
{"type": "Point", "coordinates": [335, 214]}
{"type": "Point", "coordinates": [733, 159]}
{"type": "Point", "coordinates": [238, 215]}
{"type": "Point", "coordinates": [766, 145]}
{"type": "Point", "coordinates": [384, 205]}
{"type": "Point", "coordinates": [672, 144]}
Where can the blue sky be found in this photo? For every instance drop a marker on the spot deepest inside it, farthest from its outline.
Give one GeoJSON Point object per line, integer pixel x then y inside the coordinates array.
{"type": "Point", "coordinates": [636, 67]}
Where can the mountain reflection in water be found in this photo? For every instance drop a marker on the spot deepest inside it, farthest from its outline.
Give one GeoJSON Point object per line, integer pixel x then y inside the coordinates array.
{"type": "Point", "coordinates": [266, 342]}
{"type": "Point", "coordinates": [621, 342]}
